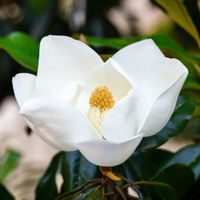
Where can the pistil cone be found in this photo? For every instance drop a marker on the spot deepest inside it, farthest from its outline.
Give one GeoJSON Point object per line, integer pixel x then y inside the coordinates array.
{"type": "Point", "coordinates": [107, 171]}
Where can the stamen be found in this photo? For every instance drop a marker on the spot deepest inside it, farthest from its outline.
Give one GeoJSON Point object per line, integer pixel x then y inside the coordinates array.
{"type": "Point", "coordinates": [102, 98]}
{"type": "Point", "coordinates": [101, 101]}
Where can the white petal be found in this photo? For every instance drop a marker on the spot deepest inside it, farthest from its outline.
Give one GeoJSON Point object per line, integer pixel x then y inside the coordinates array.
{"type": "Point", "coordinates": [23, 85]}
{"type": "Point", "coordinates": [57, 123]}
{"type": "Point", "coordinates": [83, 100]}
{"type": "Point", "coordinates": [125, 118]}
{"type": "Point", "coordinates": [138, 57]}
{"type": "Point", "coordinates": [110, 75]}
{"type": "Point", "coordinates": [64, 60]}
{"type": "Point", "coordinates": [163, 108]}
{"type": "Point", "coordinates": [42, 92]}
{"type": "Point", "coordinates": [71, 93]}
{"type": "Point", "coordinates": [105, 153]}
{"type": "Point", "coordinates": [159, 76]}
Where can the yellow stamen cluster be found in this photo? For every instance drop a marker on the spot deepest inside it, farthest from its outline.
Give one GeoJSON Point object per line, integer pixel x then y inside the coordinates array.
{"type": "Point", "coordinates": [102, 98]}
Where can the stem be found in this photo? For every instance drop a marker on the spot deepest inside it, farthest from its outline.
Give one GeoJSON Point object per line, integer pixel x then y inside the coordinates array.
{"type": "Point", "coordinates": [132, 184]}
{"type": "Point", "coordinates": [110, 193]}
{"type": "Point", "coordinates": [120, 192]}
{"type": "Point", "coordinates": [126, 186]}
{"type": "Point", "coordinates": [141, 182]}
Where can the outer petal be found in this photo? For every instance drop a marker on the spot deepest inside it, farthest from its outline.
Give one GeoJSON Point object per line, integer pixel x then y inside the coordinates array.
{"type": "Point", "coordinates": [42, 92]}
{"type": "Point", "coordinates": [159, 76]}
{"type": "Point", "coordinates": [23, 85]}
{"type": "Point", "coordinates": [64, 60]}
{"type": "Point", "coordinates": [105, 153]}
{"type": "Point", "coordinates": [112, 76]}
{"type": "Point", "coordinates": [163, 108]}
{"type": "Point", "coordinates": [59, 124]}
{"type": "Point", "coordinates": [125, 118]}
{"type": "Point", "coordinates": [138, 57]}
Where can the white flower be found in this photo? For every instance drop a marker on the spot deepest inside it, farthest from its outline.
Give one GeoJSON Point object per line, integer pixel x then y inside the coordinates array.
{"type": "Point", "coordinates": [55, 103]}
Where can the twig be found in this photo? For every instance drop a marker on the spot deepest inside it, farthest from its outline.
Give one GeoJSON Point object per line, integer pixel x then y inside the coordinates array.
{"type": "Point", "coordinates": [120, 192]}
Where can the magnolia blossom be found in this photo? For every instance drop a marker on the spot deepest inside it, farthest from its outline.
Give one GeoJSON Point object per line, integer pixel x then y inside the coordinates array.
{"type": "Point", "coordinates": [77, 101]}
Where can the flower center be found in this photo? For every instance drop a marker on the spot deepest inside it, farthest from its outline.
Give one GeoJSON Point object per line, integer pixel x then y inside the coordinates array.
{"type": "Point", "coordinates": [101, 101]}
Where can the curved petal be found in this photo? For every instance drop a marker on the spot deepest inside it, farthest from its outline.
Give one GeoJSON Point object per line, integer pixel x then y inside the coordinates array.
{"type": "Point", "coordinates": [70, 93]}
{"type": "Point", "coordinates": [110, 75]}
{"type": "Point", "coordinates": [105, 153]}
{"type": "Point", "coordinates": [125, 118]}
{"type": "Point", "coordinates": [163, 108]}
{"type": "Point", "coordinates": [83, 100]}
{"type": "Point", "coordinates": [59, 124]}
{"type": "Point", "coordinates": [41, 92]}
{"type": "Point", "coordinates": [159, 76]}
{"type": "Point", "coordinates": [64, 60]}
{"type": "Point", "coordinates": [23, 86]}
{"type": "Point", "coordinates": [138, 57]}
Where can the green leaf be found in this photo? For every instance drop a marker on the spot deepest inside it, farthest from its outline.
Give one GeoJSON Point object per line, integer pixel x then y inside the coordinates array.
{"type": "Point", "coordinates": [133, 168]}
{"type": "Point", "coordinates": [93, 194]}
{"type": "Point", "coordinates": [178, 176]}
{"type": "Point", "coordinates": [4, 194]}
{"type": "Point", "coordinates": [22, 48]}
{"type": "Point", "coordinates": [77, 170]}
{"type": "Point", "coordinates": [46, 189]}
{"type": "Point", "coordinates": [8, 163]}
{"type": "Point", "coordinates": [143, 166]}
{"type": "Point", "coordinates": [189, 156]}
{"type": "Point", "coordinates": [169, 183]}
{"type": "Point", "coordinates": [178, 12]}
{"type": "Point", "coordinates": [164, 190]}
{"type": "Point", "coordinates": [194, 193]}
{"type": "Point", "coordinates": [183, 112]}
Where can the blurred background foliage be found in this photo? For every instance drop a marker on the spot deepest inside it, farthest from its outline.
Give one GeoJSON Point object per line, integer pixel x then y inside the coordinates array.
{"type": "Point", "coordinates": [109, 25]}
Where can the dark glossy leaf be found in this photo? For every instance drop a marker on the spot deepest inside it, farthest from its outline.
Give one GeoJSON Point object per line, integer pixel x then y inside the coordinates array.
{"type": "Point", "coordinates": [77, 170]}
{"type": "Point", "coordinates": [46, 189]}
{"type": "Point", "coordinates": [164, 190]}
{"type": "Point", "coordinates": [178, 12]}
{"type": "Point", "coordinates": [22, 48]}
{"type": "Point", "coordinates": [178, 176]}
{"type": "Point", "coordinates": [8, 163]}
{"type": "Point", "coordinates": [143, 166]}
{"type": "Point", "coordinates": [194, 193]}
{"type": "Point", "coordinates": [169, 183]}
{"type": "Point", "coordinates": [184, 109]}
{"type": "Point", "coordinates": [4, 194]}
{"type": "Point", "coordinates": [189, 156]}
{"type": "Point", "coordinates": [138, 167]}
{"type": "Point", "coordinates": [93, 194]}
